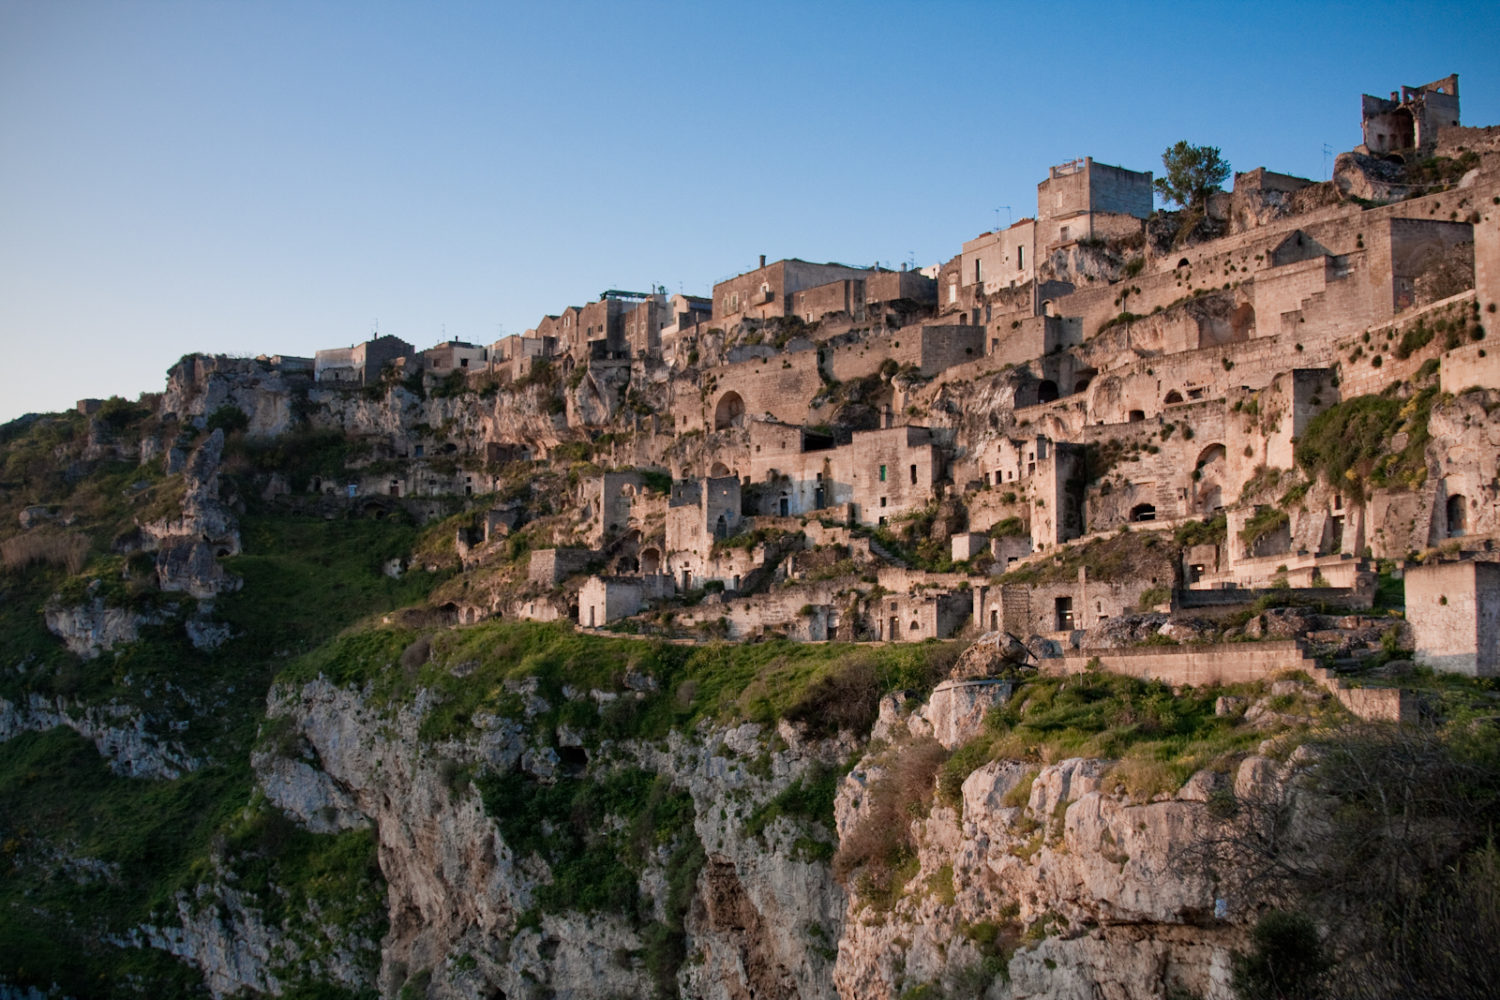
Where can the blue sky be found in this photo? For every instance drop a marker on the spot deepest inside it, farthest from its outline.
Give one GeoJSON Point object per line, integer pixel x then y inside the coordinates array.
{"type": "Point", "coordinates": [278, 177]}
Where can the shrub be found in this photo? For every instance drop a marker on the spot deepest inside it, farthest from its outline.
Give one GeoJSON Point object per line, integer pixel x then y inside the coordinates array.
{"type": "Point", "coordinates": [1286, 960]}
{"type": "Point", "coordinates": [881, 846]}
{"type": "Point", "coordinates": [229, 419]}
{"type": "Point", "coordinates": [70, 550]}
{"type": "Point", "coordinates": [847, 699]}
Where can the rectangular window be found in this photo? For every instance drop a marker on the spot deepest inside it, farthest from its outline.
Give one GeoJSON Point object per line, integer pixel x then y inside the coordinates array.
{"type": "Point", "coordinates": [914, 475]}
{"type": "Point", "coordinates": [978, 272]}
{"type": "Point", "coordinates": [1020, 258]}
{"type": "Point", "coordinates": [882, 501]}
{"type": "Point", "coordinates": [882, 473]}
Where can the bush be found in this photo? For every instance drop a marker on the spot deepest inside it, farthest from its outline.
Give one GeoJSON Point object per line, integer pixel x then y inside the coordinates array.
{"type": "Point", "coordinates": [229, 419]}
{"type": "Point", "coordinates": [1286, 961]}
{"type": "Point", "coordinates": [847, 699]}
{"type": "Point", "coordinates": [881, 845]}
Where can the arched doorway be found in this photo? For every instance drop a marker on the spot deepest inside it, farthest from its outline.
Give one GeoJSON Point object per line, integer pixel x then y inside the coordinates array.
{"type": "Point", "coordinates": [1046, 392]}
{"type": "Point", "coordinates": [1208, 474]}
{"type": "Point", "coordinates": [1172, 397]}
{"type": "Point", "coordinates": [1458, 515]}
{"type": "Point", "coordinates": [1142, 512]}
{"type": "Point", "coordinates": [651, 561]}
{"type": "Point", "coordinates": [730, 412]}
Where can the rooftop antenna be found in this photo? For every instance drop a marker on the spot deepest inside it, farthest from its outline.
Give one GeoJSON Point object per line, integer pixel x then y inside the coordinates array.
{"type": "Point", "coordinates": [1327, 152]}
{"type": "Point", "coordinates": [1009, 219]}
{"type": "Point", "coordinates": [375, 325]}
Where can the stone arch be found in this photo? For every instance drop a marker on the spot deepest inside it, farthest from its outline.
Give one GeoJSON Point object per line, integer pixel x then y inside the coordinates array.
{"type": "Point", "coordinates": [1136, 416]}
{"type": "Point", "coordinates": [1081, 385]}
{"type": "Point", "coordinates": [1171, 397]}
{"type": "Point", "coordinates": [1184, 263]}
{"type": "Point", "coordinates": [651, 560]}
{"type": "Point", "coordinates": [1209, 471]}
{"type": "Point", "coordinates": [1458, 515]}
{"type": "Point", "coordinates": [1143, 512]}
{"type": "Point", "coordinates": [1046, 391]}
{"type": "Point", "coordinates": [730, 412]}
{"type": "Point", "coordinates": [719, 471]}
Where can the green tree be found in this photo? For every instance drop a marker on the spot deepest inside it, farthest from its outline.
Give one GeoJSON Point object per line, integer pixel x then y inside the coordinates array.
{"type": "Point", "coordinates": [1192, 174]}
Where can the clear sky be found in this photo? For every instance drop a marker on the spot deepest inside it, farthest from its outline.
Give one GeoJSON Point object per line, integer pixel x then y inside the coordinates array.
{"type": "Point", "coordinates": [272, 177]}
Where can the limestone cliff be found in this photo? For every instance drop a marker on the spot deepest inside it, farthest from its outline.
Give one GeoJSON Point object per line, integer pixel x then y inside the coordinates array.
{"type": "Point", "coordinates": [1033, 881]}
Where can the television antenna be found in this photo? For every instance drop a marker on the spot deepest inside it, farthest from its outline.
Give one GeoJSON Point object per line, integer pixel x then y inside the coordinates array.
{"type": "Point", "coordinates": [1327, 154]}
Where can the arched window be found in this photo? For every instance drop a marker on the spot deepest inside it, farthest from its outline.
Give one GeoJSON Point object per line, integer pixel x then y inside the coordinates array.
{"type": "Point", "coordinates": [730, 412]}
{"type": "Point", "coordinates": [1172, 397]}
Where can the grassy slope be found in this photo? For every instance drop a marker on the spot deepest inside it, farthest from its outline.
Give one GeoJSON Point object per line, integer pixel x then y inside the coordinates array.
{"type": "Point", "coordinates": [61, 809]}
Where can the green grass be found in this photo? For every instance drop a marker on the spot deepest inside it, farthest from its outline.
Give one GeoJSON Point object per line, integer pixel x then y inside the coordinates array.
{"type": "Point", "coordinates": [58, 793]}
{"type": "Point", "coordinates": [306, 580]}
{"type": "Point", "coordinates": [760, 682]}
{"type": "Point", "coordinates": [1123, 556]}
{"type": "Point", "coordinates": [1160, 739]}
{"type": "Point", "coordinates": [808, 799]}
{"type": "Point", "coordinates": [568, 823]}
{"type": "Point", "coordinates": [1349, 445]}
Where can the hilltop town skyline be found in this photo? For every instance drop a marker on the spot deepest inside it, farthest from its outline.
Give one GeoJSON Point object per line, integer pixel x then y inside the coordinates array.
{"type": "Point", "coordinates": [275, 181]}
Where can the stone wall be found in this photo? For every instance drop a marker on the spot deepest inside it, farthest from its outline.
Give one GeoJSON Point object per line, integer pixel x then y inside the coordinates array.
{"type": "Point", "coordinates": [549, 567]}
{"type": "Point", "coordinates": [1238, 663]}
{"type": "Point", "coordinates": [781, 388]}
{"type": "Point", "coordinates": [1454, 611]}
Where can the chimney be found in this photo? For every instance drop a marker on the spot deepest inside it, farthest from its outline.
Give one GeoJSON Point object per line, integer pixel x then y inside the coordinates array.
{"type": "Point", "coordinates": [762, 260]}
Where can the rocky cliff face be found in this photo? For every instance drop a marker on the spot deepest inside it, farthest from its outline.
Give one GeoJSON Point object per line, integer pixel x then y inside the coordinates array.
{"type": "Point", "coordinates": [1034, 881]}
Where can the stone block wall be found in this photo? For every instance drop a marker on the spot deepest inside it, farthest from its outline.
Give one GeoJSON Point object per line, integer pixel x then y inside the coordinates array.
{"type": "Point", "coordinates": [1454, 611]}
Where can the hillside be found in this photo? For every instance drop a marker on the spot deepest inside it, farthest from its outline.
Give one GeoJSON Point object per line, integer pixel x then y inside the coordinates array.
{"type": "Point", "coordinates": [1109, 612]}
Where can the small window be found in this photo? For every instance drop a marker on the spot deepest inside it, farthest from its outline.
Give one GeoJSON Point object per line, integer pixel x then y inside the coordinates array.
{"type": "Point", "coordinates": [882, 473]}
{"type": "Point", "coordinates": [914, 475]}
{"type": "Point", "coordinates": [978, 272]}
{"type": "Point", "coordinates": [882, 501]}
{"type": "Point", "coordinates": [1020, 258]}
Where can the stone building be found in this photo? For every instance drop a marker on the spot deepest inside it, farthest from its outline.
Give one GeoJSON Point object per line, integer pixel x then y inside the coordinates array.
{"type": "Point", "coordinates": [1410, 119]}
{"type": "Point", "coordinates": [605, 599]}
{"type": "Point", "coordinates": [1084, 200]}
{"type": "Point", "coordinates": [700, 513]}
{"type": "Point", "coordinates": [767, 291]}
{"type": "Point", "coordinates": [455, 355]}
{"type": "Point", "coordinates": [361, 364]}
{"type": "Point", "coordinates": [1454, 611]}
